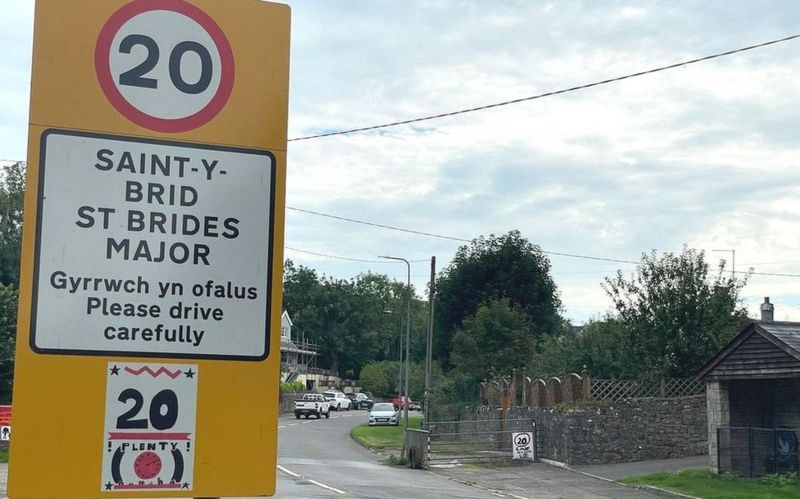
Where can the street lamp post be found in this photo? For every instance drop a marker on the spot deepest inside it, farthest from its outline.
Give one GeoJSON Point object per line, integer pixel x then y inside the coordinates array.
{"type": "Point", "coordinates": [400, 372]}
{"type": "Point", "coordinates": [408, 341]}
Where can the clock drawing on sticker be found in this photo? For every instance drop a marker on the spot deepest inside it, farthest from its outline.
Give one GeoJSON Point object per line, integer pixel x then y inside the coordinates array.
{"type": "Point", "coordinates": [147, 465]}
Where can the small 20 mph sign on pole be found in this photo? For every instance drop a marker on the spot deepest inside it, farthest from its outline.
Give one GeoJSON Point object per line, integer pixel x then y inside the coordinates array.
{"type": "Point", "coordinates": [152, 250]}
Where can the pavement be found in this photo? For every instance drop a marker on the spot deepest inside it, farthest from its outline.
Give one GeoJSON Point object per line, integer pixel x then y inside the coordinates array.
{"type": "Point", "coordinates": [626, 470]}
{"type": "Point", "coordinates": [540, 481]}
{"type": "Point", "coordinates": [547, 481]}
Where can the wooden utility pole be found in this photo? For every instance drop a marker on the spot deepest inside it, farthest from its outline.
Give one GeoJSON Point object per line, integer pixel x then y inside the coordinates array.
{"type": "Point", "coordinates": [429, 345]}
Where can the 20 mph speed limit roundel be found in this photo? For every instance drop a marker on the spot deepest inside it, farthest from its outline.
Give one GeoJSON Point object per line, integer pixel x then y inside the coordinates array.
{"type": "Point", "coordinates": [164, 64]}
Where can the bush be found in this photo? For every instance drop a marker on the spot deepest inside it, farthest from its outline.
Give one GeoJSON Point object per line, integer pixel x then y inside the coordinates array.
{"type": "Point", "coordinates": [293, 387]}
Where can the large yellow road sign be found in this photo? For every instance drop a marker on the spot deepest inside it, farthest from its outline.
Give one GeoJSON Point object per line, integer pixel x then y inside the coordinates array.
{"type": "Point", "coordinates": [152, 250]}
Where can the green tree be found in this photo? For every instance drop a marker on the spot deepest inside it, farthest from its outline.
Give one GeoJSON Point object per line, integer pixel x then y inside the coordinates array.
{"type": "Point", "coordinates": [497, 339]}
{"type": "Point", "coordinates": [347, 318]}
{"type": "Point", "coordinates": [382, 303]}
{"type": "Point", "coordinates": [452, 394]}
{"type": "Point", "coordinates": [492, 268]}
{"type": "Point", "coordinates": [416, 383]}
{"type": "Point", "coordinates": [8, 333]}
{"type": "Point", "coordinates": [323, 309]}
{"type": "Point", "coordinates": [601, 346]}
{"type": "Point", "coordinates": [334, 325]}
{"type": "Point", "coordinates": [380, 378]}
{"type": "Point", "coordinates": [676, 315]}
{"type": "Point", "coordinates": [301, 285]}
{"type": "Point", "coordinates": [12, 194]}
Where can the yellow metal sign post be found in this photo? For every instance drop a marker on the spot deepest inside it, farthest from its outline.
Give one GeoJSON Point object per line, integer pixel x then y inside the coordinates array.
{"type": "Point", "coordinates": [148, 357]}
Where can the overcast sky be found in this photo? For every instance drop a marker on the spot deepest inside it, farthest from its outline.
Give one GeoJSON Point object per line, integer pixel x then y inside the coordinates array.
{"type": "Point", "coordinates": [706, 155]}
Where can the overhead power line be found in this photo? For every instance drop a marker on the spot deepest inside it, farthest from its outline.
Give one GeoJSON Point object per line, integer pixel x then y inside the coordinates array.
{"type": "Point", "coordinates": [774, 274]}
{"type": "Point", "coordinates": [442, 236]}
{"type": "Point", "coordinates": [350, 259]}
{"type": "Point", "coordinates": [770, 263]}
{"type": "Point", "coordinates": [382, 226]}
{"type": "Point", "coordinates": [336, 257]}
{"type": "Point", "coordinates": [548, 94]}
{"type": "Point", "coordinates": [452, 238]}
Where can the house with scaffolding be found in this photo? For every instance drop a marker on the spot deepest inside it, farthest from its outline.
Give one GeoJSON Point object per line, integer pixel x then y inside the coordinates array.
{"type": "Point", "coordinates": [299, 359]}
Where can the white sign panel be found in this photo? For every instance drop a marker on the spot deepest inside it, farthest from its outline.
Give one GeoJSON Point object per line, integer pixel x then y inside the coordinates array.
{"type": "Point", "coordinates": [522, 445]}
{"type": "Point", "coordinates": [5, 433]}
{"type": "Point", "coordinates": [152, 248]}
{"type": "Point", "coordinates": [149, 434]}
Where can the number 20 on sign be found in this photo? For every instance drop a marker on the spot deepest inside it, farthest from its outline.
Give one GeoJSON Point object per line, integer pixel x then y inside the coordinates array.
{"type": "Point", "coordinates": [193, 79]}
{"type": "Point", "coordinates": [152, 250]}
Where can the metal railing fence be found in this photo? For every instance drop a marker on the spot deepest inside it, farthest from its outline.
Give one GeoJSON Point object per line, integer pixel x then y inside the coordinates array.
{"type": "Point", "coordinates": [473, 441]}
{"type": "Point", "coordinates": [754, 452]}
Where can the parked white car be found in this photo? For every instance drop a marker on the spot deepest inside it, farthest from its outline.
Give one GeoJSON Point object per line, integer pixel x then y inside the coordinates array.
{"type": "Point", "coordinates": [312, 404]}
{"type": "Point", "coordinates": [337, 400]}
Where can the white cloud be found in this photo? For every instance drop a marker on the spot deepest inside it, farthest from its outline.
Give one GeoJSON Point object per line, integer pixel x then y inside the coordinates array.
{"type": "Point", "coordinates": [705, 154]}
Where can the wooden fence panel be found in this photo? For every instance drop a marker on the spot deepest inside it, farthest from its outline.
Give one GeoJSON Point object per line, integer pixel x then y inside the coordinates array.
{"type": "Point", "coordinates": [554, 394]}
{"type": "Point", "coordinates": [576, 388]}
{"type": "Point", "coordinates": [572, 388]}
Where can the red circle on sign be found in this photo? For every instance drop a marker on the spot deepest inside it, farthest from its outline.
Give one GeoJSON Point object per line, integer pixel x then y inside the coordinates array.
{"type": "Point", "coordinates": [147, 465]}
{"type": "Point", "coordinates": [103, 69]}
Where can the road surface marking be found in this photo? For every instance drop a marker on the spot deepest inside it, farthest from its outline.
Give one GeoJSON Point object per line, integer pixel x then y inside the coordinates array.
{"type": "Point", "coordinates": [288, 472]}
{"type": "Point", "coordinates": [326, 486]}
{"type": "Point", "coordinates": [318, 484]}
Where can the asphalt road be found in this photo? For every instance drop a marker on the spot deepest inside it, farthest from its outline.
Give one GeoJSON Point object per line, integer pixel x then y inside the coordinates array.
{"type": "Point", "coordinates": [317, 458]}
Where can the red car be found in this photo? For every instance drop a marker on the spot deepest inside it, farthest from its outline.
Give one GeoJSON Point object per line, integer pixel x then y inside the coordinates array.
{"type": "Point", "coordinates": [399, 402]}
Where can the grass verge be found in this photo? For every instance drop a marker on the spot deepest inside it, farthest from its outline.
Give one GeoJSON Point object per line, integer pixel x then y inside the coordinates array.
{"type": "Point", "coordinates": [3, 456]}
{"type": "Point", "coordinates": [702, 483]}
{"type": "Point", "coordinates": [383, 437]}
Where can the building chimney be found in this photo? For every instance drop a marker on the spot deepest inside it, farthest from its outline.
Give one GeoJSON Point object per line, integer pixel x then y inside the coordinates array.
{"type": "Point", "coordinates": [767, 310]}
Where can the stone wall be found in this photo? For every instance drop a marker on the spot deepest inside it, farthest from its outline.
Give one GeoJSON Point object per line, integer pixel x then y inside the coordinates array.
{"type": "Point", "coordinates": [618, 432]}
